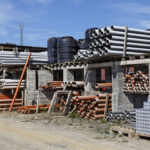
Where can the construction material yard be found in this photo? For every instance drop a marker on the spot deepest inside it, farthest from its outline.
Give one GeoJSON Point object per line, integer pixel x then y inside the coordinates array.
{"type": "Point", "coordinates": [86, 88]}
{"type": "Point", "coordinates": [57, 132]}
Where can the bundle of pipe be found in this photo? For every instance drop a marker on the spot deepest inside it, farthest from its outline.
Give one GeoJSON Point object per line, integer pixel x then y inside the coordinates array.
{"type": "Point", "coordinates": [91, 107]}
{"type": "Point", "coordinates": [112, 41]}
{"type": "Point", "coordinates": [136, 83]}
{"type": "Point", "coordinates": [127, 116]}
{"type": "Point", "coordinates": [103, 85]}
{"type": "Point", "coordinates": [75, 84]}
{"type": "Point", "coordinates": [6, 100]}
{"type": "Point", "coordinates": [32, 108]}
{"type": "Point", "coordinates": [61, 104]}
{"type": "Point", "coordinates": [19, 58]}
{"type": "Point", "coordinates": [55, 85]}
{"type": "Point", "coordinates": [11, 83]}
{"type": "Point", "coordinates": [61, 100]}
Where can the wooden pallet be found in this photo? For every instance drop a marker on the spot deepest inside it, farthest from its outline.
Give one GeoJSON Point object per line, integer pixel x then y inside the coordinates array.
{"type": "Point", "coordinates": [125, 131]}
{"type": "Point", "coordinates": [138, 135]}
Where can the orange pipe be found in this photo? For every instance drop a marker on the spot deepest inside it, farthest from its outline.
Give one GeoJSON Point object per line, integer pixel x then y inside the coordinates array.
{"type": "Point", "coordinates": [18, 87]}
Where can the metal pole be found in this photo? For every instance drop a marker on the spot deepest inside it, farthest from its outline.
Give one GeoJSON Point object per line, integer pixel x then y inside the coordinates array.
{"type": "Point", "coordinates": [21, 34]}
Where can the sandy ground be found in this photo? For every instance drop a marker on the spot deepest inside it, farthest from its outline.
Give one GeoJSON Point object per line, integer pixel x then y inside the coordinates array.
{"type": "Point", "coordinates": [36, 132]}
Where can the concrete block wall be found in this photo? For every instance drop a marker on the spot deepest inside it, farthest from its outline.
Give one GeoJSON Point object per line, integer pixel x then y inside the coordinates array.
{"type": "Point", "coordinates": [122, 101]}
{"type": "Point", "coordinates": [31, 80]}
{"type": "Point", "coordinates": [68, 75]}
{"type": "Point", "coordinates": [43, 76]}
{"type": "Point", "coordinates": [90, 80]}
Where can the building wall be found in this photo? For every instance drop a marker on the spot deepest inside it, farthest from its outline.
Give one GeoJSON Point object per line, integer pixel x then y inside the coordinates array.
{"type": "Point", "coordinates": [31, 92]}
{"type": "Point", "coordinates": [120, 100]}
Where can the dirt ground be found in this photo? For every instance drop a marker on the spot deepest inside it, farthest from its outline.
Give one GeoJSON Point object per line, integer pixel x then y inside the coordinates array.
{"type": "Point", "coordinates": [56, 132]}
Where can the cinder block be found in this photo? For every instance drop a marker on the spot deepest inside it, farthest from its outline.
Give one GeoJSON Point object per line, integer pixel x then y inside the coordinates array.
{"type": "Point", "coordinates": [31, 80]}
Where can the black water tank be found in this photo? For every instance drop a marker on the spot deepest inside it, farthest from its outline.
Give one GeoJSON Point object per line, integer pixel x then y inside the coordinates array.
{"type": "Point", "coordinates": [52, 42]}
{"type": "Point", "coordinates": [66, 49]}
{"type": "Point", "coordinates": [66, 41]}
{"type": "Point", "coordinates": [83, 44]}
{"type": "Point", "coordinates": [52, 50]}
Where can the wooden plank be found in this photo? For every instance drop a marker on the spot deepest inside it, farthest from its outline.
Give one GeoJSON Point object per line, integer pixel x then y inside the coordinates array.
{"type": "Point", "coordinates": [67, 105]}
{"type": "Point", "coordinates": [52, 102]}
{"type": "Point", "coordinates": [142, 135]}
{"type": "Point", "coordinates": [106, 105]}
{"type": "Point", "coordinates": [37, 103]}
{"type": "Point", "coordinates": [122, 131]}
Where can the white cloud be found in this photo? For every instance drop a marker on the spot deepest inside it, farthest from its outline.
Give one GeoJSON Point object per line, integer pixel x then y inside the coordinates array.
{"type": "Point", "coordinates": [44, 1]}
{"type": "Point", "coordinates": [77, 2]}
{"type": "Point", "coordinates": [37, 34]}
{"type": "Point", "coordinates": [45, 30]}
{"type": "Point", "coordinates": [144, 24]}
{"type": "Point", "coordinates": [6, 12]}
{"type": "Point", "coordinates": [135, 8]}
{"type": "Point", "coordinates": [3, 32]}
{"type": "Point", "coordinates": [39, 1]}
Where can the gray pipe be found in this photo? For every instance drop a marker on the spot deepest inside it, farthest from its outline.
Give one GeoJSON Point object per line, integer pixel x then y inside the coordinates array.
{"type": "Point", "coordinates": [134, 40]}
{"type": "Point", "coordinates": [131, 30]}
{"type": "Point", "coordinates": [110, 52]}
{"type": "Point", "coordinates": [110, 33]}
{"type": "Point", "coordinates": [129, 44]}
{"type": "Point", "coordinates": [140, 50]}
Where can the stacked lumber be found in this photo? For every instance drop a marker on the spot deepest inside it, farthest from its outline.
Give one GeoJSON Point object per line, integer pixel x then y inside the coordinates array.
{"type": "Point", "coordinates": [32, 108]}
{"type": "Point", "coordinates": [6, 100]}
{"type": "Point", "coordinates": [92, 107]}
{"type": "Point", "coordinates": [136, 82]}
{"type": "Point", "coordinates": [54, 85]}
{"type": "Point", "coordinates": [74, 84]}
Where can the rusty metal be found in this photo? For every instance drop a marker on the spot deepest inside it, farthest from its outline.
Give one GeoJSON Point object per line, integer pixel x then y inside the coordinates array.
{"type": "Point", "coordinates": [103, 85]}
{"type": "Point", "coordinates": [54, 85]}
{"type": "Point", "coordinates": [32, 108]}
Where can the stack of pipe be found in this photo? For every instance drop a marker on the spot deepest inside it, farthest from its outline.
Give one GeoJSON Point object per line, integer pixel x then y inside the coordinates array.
{"type": "Point", "coordinates": [111, 41]}
{"type": "Point", "coordinates": [61, 101]}
{"type": "Point", "coordinates": [75, 84]}
{"type": "Point", "coordinates": [19, 58]}
{"type": "Point", "coordinates": [54, 85]}
{"type": "Point", "coordinates": [91, 107]}
{"type": "Point", "coordinates": [127, 116]}
{"type": "Point", "coordinates": [32, 108]}
{"type": "Point", "coordinates": [61, 104]}
{"type": "Point", "coordinates": [136, 83]}
{"type": "Point", "coordinates": [11, 83]}
{"type": "Point", "coordinates": [5, 102]}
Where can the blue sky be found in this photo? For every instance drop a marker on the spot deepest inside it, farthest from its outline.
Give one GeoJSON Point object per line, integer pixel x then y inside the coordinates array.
{"type": "Point", "coordinates": [47, 18]}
